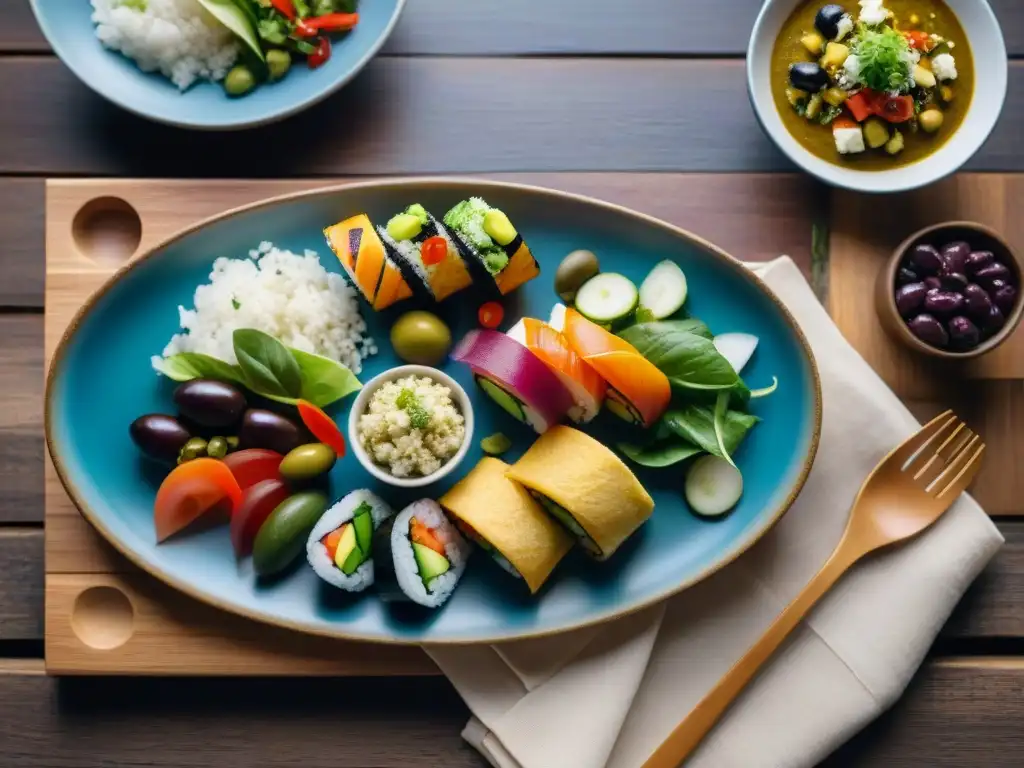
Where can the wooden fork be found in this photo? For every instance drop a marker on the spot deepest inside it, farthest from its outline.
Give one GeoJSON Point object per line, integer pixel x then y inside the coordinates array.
{"type": "Point", "coordinates": [907, 492]}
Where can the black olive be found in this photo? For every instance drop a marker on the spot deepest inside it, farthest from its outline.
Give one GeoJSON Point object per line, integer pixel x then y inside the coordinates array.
{"type": "Point", "coordinates": [266, 429]}
{"type": "Point", "coordinates": [827, 20]}
{"type": "Point", "coordinates": [210, 403]}
{"type": "Point", "coordinates": [808, 76]}
{"type": "Point", "coordinates": [158, 436]}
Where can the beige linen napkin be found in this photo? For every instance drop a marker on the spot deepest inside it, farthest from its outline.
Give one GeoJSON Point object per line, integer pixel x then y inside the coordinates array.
{"type": "Point", "coordinates": [606, 697]}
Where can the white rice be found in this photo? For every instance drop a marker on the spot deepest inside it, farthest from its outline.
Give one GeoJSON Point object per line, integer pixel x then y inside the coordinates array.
{"type": "Point", "coordinates": [334, 518]}
{"type": "Point", "coordinates": [286, 295]}
{"type": "Point", "coordinates": [177, 38]}
{"type": "Point", "coordinates": [456, 549]}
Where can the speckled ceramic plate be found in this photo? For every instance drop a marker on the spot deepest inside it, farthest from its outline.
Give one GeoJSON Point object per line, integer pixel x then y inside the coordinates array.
{"type": "Point", "coordinates": [101, 380]}
{"type": "Point", "coordinates": [69, 28]}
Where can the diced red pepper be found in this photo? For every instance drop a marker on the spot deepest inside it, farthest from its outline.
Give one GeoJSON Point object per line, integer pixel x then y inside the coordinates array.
{"type": "Point", "coordinates": [322, 426]}
{"type": "Point", "coordinates": [491, 314]}
{"type": "Point", "coordinates": [334, 22]}
{"type": "Point", "coordinates": [285, 7]}
{"type": "Point", "coordinates": [434, 250]}
{"type": "Point", "coordinates": [860, 104]}
{"type": "Point", "coordinates": [895, 109]}
{"type": "Point", "coordinates": [322, 53]}
{"type": "Point", "coordinates": [922, 41]}
{"type": "Point", "coordinates": [304, 29]}
{"type": "Point", "coordinates": [843, 122]}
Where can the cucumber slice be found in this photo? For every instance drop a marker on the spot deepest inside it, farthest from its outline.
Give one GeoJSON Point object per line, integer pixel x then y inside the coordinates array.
{"type": "Point", "coordinates": [713, 486]}
{"type": "Point", "coordinates": [737, 348]}
{"type": "Point", "coordinates": [506, 400]}
{"type": "Point", "coordinates": [607, 297]}
{"type": "Point", "coordinates": [663, 291]}
{"type": "Point", "coordinates": [568, 522]}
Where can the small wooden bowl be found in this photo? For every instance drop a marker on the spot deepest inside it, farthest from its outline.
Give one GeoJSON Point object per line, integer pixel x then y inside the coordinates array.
{"type": "Point", "coordinates": [981, 238]}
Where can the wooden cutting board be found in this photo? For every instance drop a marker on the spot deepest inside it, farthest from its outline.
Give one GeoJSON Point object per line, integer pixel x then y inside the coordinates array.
{"type": "Point", "coordinates": [104, 616]}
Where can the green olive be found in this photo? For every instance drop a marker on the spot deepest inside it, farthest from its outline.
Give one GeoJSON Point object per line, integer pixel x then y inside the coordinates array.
{"type": "Point", "coordinates": [217, 448]}
{"type": "Point", "coordinates": [420, 337]}
{"type": "Point", "coordinates": [279, 61]}
{"type": "Point", "coordinates": [307, 462]}
{"type": "Point", "coordinates": [496, 444]}
{"type": "Point", "coordinates": [195, 448]}
{"type": "Point", "coordinates": [573, 272]}
{"type": "Point", "coordinates": [282, 537]}
{"type": "Point", "coordinates": [239, 81]}
{"type": "Point", "coordinates": [232, 443]}
{"type": "Point", "coordinates": [930, 120]}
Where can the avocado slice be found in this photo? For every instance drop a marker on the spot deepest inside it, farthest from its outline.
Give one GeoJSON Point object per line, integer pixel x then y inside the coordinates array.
{"type": "Point", "coordinates": [502, 398]}
{"type": "Point", "coordinates": [353, 561]}
{"type": "Point", "coordinates": [363, 523]}
{"type": "Point", "coordinates": [346, 547]}
{"type": "Point", "coordinates": [430, 564]}
{"type": "Point", "coordinates": [562, 515]}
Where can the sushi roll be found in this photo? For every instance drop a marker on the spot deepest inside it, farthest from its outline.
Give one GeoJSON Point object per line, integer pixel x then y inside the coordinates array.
{"type": "Point", "coordinates": [637, 391]}
{"type": "Point", "coordinates": [339, 546]}
{"type": "Point", "coordinates": [425, 252]}
{"type": "Point", "coordinates": [491, 246]}
{"type": "Point", "coordinates": [553, 349]}
{"type": "Point", "coordinates": [362, 255]}
{"type": "Point", "coordinates": [420, 556]}
{"type": "Point", "coordinates": [585, 487]}
{"type": "Point", "coordinates": [514, 378]}
{"type": "Point", "coordinates": [504, 520]}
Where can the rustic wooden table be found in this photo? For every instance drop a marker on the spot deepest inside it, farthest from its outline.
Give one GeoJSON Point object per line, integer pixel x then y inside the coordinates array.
{"type": "Point", "coordinates": [628, 101]}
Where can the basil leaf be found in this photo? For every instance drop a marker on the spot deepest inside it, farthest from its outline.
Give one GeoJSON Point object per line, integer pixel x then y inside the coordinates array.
{"type": "Point", "coordinates": [690, 361]}
{"type": "Point", "coordinates": [696, 424]}
{"type": "Point", "coordinates": [683, 325]}
{"type": "Point", "coordinates": [193, 365]}
{"type": "Point", "coordinates": [663, 453]}
{"type": "Point", "coordinates": [268, 366]}
{"type": "Point", "coordinates": [324, 380]}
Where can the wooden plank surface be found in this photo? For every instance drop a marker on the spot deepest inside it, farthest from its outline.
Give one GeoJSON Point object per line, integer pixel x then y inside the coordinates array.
{"type": "Point", "coordinates": [498, 27]}
{"type": "Point", "coordinates": [436, 115]}
{"type": "Point", "coordinates": [955, 713]}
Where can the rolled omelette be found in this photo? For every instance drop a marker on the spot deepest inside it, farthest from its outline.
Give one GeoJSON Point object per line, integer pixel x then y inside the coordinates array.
{"type": "Point", "coordinates": [503, 519]}
{"type": "Point", "coordinates": [584, 486]}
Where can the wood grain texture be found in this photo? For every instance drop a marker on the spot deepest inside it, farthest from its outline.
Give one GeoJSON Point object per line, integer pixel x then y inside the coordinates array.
{"type": "Point", "coordinates": [955, 714]}
{"type": "Point", "coordinates": [511, 114]}
{"type": "Point", "coordinates": [21, 443]}
{"type": "Point", "coordinates": [21, 584]}
{"type": "Point", "coordinates": [21, 258]}
{"type": "Point", "coordinates": [496, 27]}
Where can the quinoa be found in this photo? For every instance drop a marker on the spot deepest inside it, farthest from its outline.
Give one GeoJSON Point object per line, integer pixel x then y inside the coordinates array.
{"type": "Point", "coordinates": [412, 426]}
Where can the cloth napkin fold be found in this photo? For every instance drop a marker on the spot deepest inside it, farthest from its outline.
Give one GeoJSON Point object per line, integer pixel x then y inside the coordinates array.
{"type": "Point", "coordinates": [606, 697]}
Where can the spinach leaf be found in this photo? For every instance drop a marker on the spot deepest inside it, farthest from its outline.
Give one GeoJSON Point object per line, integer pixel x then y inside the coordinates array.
{"type": "Point", "coordinates": [193, 365]}
{"type": "Point", "coordinates": [690, 361]}
{"type": "Point", "coordinates": [324, 380]}
{"type": "Point", "coordinates": [696, 424]}
{"type": "Point", "coordinates": [661, 453]}
{"type": "Point", "coordinates": [267, 364]}
{"type": "Point", "coordinates": [721, 405]}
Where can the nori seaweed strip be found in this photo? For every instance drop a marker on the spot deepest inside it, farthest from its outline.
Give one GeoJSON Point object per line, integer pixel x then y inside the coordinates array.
{"type": "Point", "coordinates": [385, 580]}
{"type": "Point", "coordinates": [482, 277]}
{"type": "Point", "coordinates": [418, 283]}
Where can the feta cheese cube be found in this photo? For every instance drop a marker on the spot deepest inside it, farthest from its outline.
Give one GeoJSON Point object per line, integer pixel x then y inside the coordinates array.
{"type": "Point", "coordinates": [849, 140]}
{"type": "Point", "coordinates": [872, 12]}
{"type": "Point", "coordinates": [944, 66]}
{"type": "Point", "coordinates": [845, 27]}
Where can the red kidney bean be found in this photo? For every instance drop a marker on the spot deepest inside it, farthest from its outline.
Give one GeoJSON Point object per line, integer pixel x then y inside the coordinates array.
{"type": "Point", "coordinates": [1005, 298]}
{"type": "Point", "coordinates": [995, 285]}
{"type": "Point", "coordinates": [906, 275]}
{"type": "Point", "coordinates": [977, 300]}
{"type": "Point", "coordinates": [929, 330]}
{"type": "Point", "coordinates": [953, 281]}
{"type": "Point", "coordinates": [994, 321]}
{"type": "Point", "coordinates": [963, 334]}
{"type": "Point", "coordinates": [991, 272]}
{"type": "Point", "coordinates": [909, 298]}
{"type": "Point", "coordinates": [955, 255]}
{"type": "Point", "coordinates": [943, 302]}
{"type": "Point", "coordinates": [933, 283]}
{"type": "Point", "coordinates": [926, 259]}
{"type": "Point", "coordinates": [977, 260]}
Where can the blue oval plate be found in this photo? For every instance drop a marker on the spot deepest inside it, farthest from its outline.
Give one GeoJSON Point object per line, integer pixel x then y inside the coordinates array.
{"type": "Point", "coordinates": [69, 28]}
{"type": "Point", "coordinates": [101, 380]}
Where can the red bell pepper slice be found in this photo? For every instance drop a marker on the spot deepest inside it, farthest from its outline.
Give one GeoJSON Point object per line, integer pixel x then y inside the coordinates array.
{"type": "Point", "coordinates": [191, 490]}
{"type": "Point", "coordinates": [334, 22]}
{"type": "Point", "coordinates": [322, 426]}
{"type": "Point", "coordinates": [285, 7]}
{"type": "Point", "coordinates": [860, 104]}
{"type": "Point", "coordinates": [922, 41]}
{"type": "Point", "coordinates": [322, 53]}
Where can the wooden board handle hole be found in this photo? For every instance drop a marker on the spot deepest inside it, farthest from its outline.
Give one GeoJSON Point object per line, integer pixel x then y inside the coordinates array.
{"type": "Point", "coordinates": [103, 618]}
{"type": "Point", "coordinates": [107, 230]}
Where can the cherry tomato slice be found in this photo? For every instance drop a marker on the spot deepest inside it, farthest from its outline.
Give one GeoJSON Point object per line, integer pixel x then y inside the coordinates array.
{"type": "Point", "coordinates": [322, 426]}
{"type": "Point", "coordinates": [251, 465]}
{"type": "Point", "coordinates": [191, 490]}
{"type": "Point", "coordinates": [491, 314]}
{"type": "Point", "coordinates": [922, 41]}
{"type": "Point", "coordinates": [895, 109]}
{"type": "Point", "coordinates": [258, 502]}
{"type": "Point", "coordinates": [433, 250]}
{"type": "Point", "coordinates": [322, 53]}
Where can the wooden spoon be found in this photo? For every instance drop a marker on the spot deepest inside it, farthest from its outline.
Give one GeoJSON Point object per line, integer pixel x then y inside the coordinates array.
{"type": "Point", "coordinates": [907, 492]}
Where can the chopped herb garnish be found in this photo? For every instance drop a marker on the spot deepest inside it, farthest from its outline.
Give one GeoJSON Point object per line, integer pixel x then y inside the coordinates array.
{"type": "Point", "coordinates": [828, 114]}
{"type": "Point", "coordinates": [884, 59]}
{"type": "Point", "coordinates": [235, 303]}
{"type": "Point", "coordinates": [408, 402]}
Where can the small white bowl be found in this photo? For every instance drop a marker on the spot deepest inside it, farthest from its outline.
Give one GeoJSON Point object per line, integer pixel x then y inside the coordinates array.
{"type": "Point", "coordinates": [362, 401]}
{"type": "Point", "coordinates": [990, 66]}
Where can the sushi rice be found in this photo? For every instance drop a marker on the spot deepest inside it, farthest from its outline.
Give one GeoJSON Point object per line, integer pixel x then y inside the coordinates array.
{"type": "Point", "coordinates": [456, 549]}
{"type": "Point", "coordinates": [341, 513]}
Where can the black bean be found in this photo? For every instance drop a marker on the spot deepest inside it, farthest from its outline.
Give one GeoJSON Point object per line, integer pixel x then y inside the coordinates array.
{"type": "Point", "coordinates": [977, 299]}
{"type": "Point", "coordinates": [977, 260]}
{"type": "Point", "coordinates": [905, 275]}
{"type": "Point", "coordinates": [926, 260]}
{"type": "Point", "coordinates": [955, 255]}
{"type": "Point", "coordinates": [929, 330]}
{"type": "Point", "coordinates": [1005, 298]}
{"type": "Point", "coordinates": [991, 272]}
{"type": "Point", "coordinates": [963, 334]}
{"type": "Point", "coordinates": [943, 302]}
{"type": "Point", "coordinates": [909, 298]}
